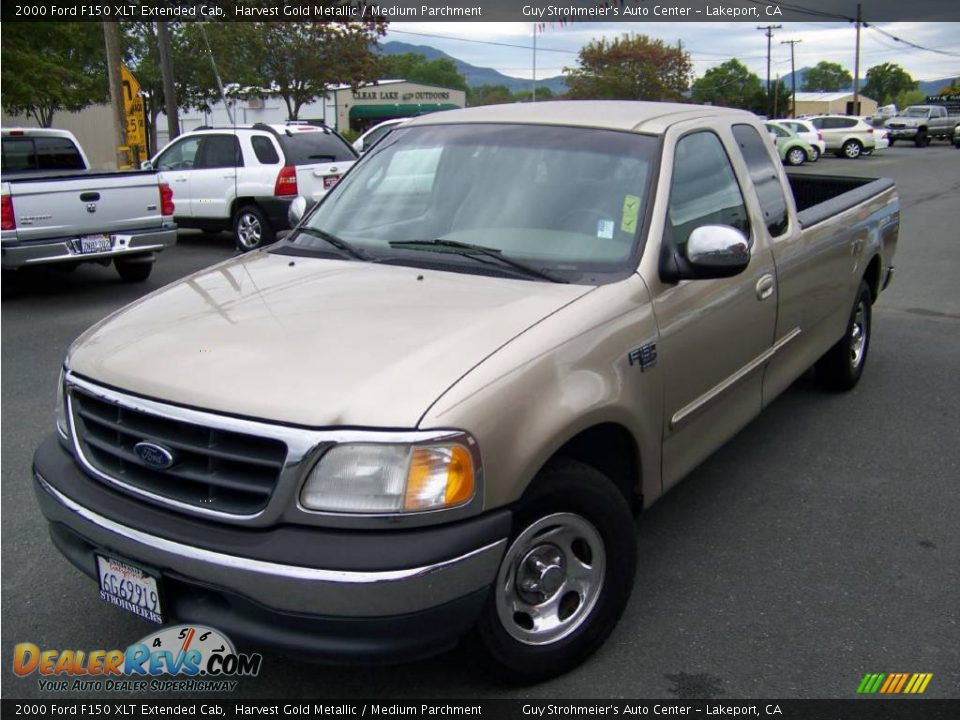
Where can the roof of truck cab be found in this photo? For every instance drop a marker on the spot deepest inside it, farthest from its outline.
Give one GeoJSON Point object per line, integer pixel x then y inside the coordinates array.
{"type": "Point", "coordinates": [646, 117]}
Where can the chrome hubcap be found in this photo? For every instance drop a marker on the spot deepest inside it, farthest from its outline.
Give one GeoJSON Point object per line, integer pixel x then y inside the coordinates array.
{"type": "Point", "coordinates": [796, 156]}
{"type": "Point", "coordinates": [248, 231]}
{"type": "Point", "coordinates": [858, 337]}
{"type": "Point", "coordinates": [853, 150]}
{"type": "Point", "coordinates": [550, 579]}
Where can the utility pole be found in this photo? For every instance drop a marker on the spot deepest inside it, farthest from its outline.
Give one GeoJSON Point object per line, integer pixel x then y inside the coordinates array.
{"type": "Point", "coordinates": [776, 96]}
{"type": "Point", "coordinates": [769, 33]}
{"type": "Point", "coordinates": [169, 88]}
{"type": "Point", "coordinates": [793, 77]}
{"type": "Point", "coordinates": [533, 90]}
{"type": "Point", "coordinates": [856, 67]}
{"type": "Point", "coordinates": [111, 41]}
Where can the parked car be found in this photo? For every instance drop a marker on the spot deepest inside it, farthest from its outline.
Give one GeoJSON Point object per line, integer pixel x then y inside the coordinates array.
{"type": "Point", "coordinates": [792, 148]}
{"type": "Point", "coordinates": [56, 210]}
{"type": "Point", "coordinates": [921, 124]}
{"type": "Point", "coordinates": [243, 178]}
{"type": "Point", "coordinates": [845, 136]}
{"type": "Point", "coordinates": [376, 133]}
{"type": "Point", "coordinates": [431, 411]}
{"type": "Point", "coordinates": [808, 132]}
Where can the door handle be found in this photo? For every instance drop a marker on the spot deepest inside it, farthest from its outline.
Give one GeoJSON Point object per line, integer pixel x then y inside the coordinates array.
{"type": "Point", "coordinates": [765, 287]}
{"type": "Point", "coordinates": [179, 179]}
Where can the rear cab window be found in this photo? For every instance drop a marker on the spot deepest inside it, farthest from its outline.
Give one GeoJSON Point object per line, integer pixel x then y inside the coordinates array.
{"type": "Point", "coordinates": [314, 147]}
{"type": "Point", "coordinates": [41, 153]}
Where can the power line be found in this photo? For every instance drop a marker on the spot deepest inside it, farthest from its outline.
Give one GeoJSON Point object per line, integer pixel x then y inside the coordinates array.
{"type": "Point", "coordinates": [484, 42]}
{"type": "Point", "coordinates": [907, 42]}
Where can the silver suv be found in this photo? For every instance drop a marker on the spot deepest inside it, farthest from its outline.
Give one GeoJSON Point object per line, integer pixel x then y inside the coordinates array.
{"type": "Point", "coordinates": [845, 136]}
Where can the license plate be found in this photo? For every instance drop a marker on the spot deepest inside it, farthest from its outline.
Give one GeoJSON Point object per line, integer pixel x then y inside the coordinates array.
{"type": "Point", "coordinates": [329, 181]}
{"type": "Point", "coordinates": [129, 588]}
{"type": "Point", "coordinates": [95, 244]}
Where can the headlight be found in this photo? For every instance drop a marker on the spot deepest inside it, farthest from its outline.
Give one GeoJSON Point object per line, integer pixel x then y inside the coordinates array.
{"type": "Point", "coordinates": [372, 478]}
{"type": "Point", "coordinates": [61, 412]}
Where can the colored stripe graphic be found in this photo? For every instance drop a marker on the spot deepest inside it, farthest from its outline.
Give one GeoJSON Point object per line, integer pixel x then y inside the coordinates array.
{"type": "Point", "coordinates": [894, 683]}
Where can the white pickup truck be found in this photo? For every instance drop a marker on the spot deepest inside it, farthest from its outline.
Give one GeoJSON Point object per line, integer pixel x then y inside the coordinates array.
{"type": "Point", "coordinates": [57, 210]}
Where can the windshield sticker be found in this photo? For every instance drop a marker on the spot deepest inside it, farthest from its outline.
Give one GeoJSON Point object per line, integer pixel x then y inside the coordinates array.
{"type": "Point", "coordinates": [631, 211]}
{"type": "Point", "coordinates": [605, 229]}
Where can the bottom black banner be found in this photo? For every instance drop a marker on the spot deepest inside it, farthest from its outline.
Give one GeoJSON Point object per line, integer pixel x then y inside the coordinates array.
{"type": "Point", "coordinates": [858, 709]}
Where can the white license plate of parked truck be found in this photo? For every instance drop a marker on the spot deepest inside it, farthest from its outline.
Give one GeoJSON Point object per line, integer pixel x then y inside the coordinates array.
{"type": "Point", "coordinates": [129, 588]}
{"type": "Point", "coordinates": [95, 244]}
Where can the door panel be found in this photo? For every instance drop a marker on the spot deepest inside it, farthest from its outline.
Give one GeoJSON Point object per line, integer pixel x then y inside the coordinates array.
{"type": "Point", "coordinates": [213, 181]}
{"type": "Point", "coordinates": [714, 334]}
{"type": "Point", "coordinates": [176, 167]}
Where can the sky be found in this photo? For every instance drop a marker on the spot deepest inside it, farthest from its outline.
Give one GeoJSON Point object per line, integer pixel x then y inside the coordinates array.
{"type": "Point", "coordinates": [708, 43]}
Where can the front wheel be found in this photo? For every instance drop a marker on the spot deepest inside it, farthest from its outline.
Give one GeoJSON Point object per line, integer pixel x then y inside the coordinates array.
{"type": "Point", "coordinates": [814, 153]}
{"type": "Point", "coordinates": [565, 578]}
{"type": "Point", "coordinates": [922, 139]}
{"type": "Point", "coordinates": [251, 229]}
{"type": "Point", "coordinates": [852, 149]}
{"type": "Point", "coordinates": [842, 365]}
{"type": "Point", "coordinates": [796, 156]}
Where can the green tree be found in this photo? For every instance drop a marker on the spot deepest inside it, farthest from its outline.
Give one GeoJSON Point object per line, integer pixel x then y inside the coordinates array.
{"type": "Point", "coordinates": [488, 95]}
{"type": "Point", "coordinates": [296, 61]}
{"type": "Point", "coordinates": [951, 89]}
{"type": "Point", "coordinates": [631, 67]}
{"type": "Point", "coordinates": [886, 81]}
{"type": "Point", "coordinates": [416, 68]}
{"type": "Point", "coordinates": [827, 77]}
{"type": "Point", "coordinates": [910, 97]}
{"type": "Point", "coordinates": [543, 93]}
{"type": "Point", "coordinates": [52, 66]}
{"type": "Point", "coordinates": [729, 85]}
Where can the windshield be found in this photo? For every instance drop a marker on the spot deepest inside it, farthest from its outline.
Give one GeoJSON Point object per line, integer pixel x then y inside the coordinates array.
{"type": "Point", "coordinates": [916, 112]}
{"type": "Point", "coordinates": [565, 200]}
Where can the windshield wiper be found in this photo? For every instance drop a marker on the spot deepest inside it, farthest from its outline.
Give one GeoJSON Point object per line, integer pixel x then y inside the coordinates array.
{"type": "Point", "coordinates": [339, 243]}
{"type": "Point", "coordinates": [473, 251]}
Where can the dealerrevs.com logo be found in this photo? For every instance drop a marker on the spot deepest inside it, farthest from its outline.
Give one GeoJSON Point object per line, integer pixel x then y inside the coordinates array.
{"type": "Point", "coordinates": [199, 658]}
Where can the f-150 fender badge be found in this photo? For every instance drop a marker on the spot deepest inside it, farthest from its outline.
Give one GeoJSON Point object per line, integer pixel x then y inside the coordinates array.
{"type": "Point", "coordinates": [645, 356]}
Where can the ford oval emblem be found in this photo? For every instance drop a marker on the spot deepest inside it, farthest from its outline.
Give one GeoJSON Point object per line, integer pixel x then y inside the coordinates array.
{"type": "Point", "coordinates": [153, 455]}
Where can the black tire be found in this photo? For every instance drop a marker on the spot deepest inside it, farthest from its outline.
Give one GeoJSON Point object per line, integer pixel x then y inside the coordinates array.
{"type": "Point", "coordinates": [814, 153]}
{"type": "Point", "coordinates": [851, 149]}
{"type": "Point", "coordinates": [131, 270]}
{"type": "Point", "coordinates": [842, 365]}
{"type": "Point", "coordinates": [587, 516]}
{"type": "Point", "coordinates": [9, 283]}
{"type": "Point", "coordinates": [921, 139]}
{"type": "Point", "coordinates": [796, 156]}
{"type": "Point", "coordinates": [891, 141]}
{"type": "Point", "coordinates": [251, 229]}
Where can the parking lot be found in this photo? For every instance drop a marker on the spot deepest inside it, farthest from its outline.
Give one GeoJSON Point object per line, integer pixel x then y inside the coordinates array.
{"type": "Point", "coordinates": [820, 544]}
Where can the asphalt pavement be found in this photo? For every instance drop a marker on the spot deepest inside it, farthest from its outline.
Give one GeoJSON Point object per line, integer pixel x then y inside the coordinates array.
{"type": "Point", "coordinates": [822, 543]}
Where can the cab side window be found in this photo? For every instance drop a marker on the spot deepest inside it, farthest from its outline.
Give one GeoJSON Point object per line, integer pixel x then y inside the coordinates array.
{"type": "Point", "coordinates": [704, 189]}
{"type": "Point", "coordinates": [180, 155]}
{"type": "Point", "coordinates": [773, 202]}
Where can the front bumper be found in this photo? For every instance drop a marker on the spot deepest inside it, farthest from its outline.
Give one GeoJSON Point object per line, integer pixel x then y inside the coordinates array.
{"type": "Point", "coordinates": [136, 242]}
{"type": "Point", "coordinates": [340, 595]}
{"type": "Point", "coordinates": [898, 133]}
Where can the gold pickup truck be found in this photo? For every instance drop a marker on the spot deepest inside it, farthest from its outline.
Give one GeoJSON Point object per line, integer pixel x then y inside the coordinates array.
{"type": "Point", "coordinates": [435, 408]}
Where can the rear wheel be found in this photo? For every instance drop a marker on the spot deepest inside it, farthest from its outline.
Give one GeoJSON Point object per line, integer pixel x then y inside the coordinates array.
{"type": "Point", "coordinates": [133, 269]}
{"type": "Point", "coordinates": [251, 229]}
{"type": "Point", "coordinates": [892, 142]}
{"type": "Point", "coordinates": [565, 578]}
{"type": "Point", "coordinates": [796, 156]}
{"type": "Point", "coordinates": [842, 365]}
{"type": "Point", "coordinates": [814, 153]}
{"type": "Point", "coordinates": [852, 149]}
{"type": "Point", "coordinates": [922, 139]}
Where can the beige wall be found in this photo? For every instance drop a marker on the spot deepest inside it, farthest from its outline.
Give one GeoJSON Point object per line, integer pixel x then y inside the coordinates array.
{"type": "Point", "coordinates": [94, 128]}
{"type": "Point", "coordinates": [405, 93]}
{"type": "Point", "coordinates": [836, 107]}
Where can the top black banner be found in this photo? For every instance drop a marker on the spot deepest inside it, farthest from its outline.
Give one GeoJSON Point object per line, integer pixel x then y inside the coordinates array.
{"type": "Point", "coordinates": [536, 11]}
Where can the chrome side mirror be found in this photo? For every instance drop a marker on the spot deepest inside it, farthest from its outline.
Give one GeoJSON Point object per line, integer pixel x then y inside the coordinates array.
{"type": "Point", "coordinates": [146, 165]}
{"type": "Point", "coordinates": [716, 251]}
{"type": "Point", "coordinates": [297, 209]}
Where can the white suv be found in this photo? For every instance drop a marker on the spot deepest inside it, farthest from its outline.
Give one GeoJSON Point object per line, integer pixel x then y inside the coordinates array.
{"type": "Point", "coordinates": [244, 178]}
{"type": "Point", "coordinates": [845, 136]}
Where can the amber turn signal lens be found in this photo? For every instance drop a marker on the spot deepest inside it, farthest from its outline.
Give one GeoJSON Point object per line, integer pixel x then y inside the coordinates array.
{"type": "Point", "coordinates": [439, 477]}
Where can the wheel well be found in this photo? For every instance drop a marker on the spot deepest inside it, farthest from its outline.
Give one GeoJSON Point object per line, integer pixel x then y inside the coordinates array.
{"type": "Point", "coordinates": [872, 276]}
{"type": "Point", "coordinates": [610, 449]}
{"type": "Point", "coordinates": [239, 203]}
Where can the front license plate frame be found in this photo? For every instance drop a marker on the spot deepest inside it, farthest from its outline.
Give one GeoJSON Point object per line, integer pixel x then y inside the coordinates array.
{"type": "Point", "coordinates": [130, 587]}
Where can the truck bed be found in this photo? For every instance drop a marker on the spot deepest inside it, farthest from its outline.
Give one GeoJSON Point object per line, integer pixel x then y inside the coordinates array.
{"type": "Point", "coordinates": [820, 197]}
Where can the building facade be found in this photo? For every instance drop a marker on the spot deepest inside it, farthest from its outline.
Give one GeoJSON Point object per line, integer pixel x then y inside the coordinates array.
{"type": "Point", "coordinates": [835, 103]}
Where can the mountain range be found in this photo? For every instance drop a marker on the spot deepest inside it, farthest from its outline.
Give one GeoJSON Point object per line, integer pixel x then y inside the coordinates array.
{"type": "Point", "coordinates": [477, 76]}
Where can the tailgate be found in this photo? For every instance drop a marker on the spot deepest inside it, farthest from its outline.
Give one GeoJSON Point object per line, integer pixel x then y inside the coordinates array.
{"type": "Point", "coordinates": [65, 206]}
{"type": "Point", "coordinates": [313, 181]}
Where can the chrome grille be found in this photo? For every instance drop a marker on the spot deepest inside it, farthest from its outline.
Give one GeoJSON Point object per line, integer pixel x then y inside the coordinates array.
{"type": "Point", "coordinates": [212, 468]}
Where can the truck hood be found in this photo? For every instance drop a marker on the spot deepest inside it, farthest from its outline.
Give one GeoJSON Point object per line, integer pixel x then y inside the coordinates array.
{"type": "Point", "coordinates": [310, 341]}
